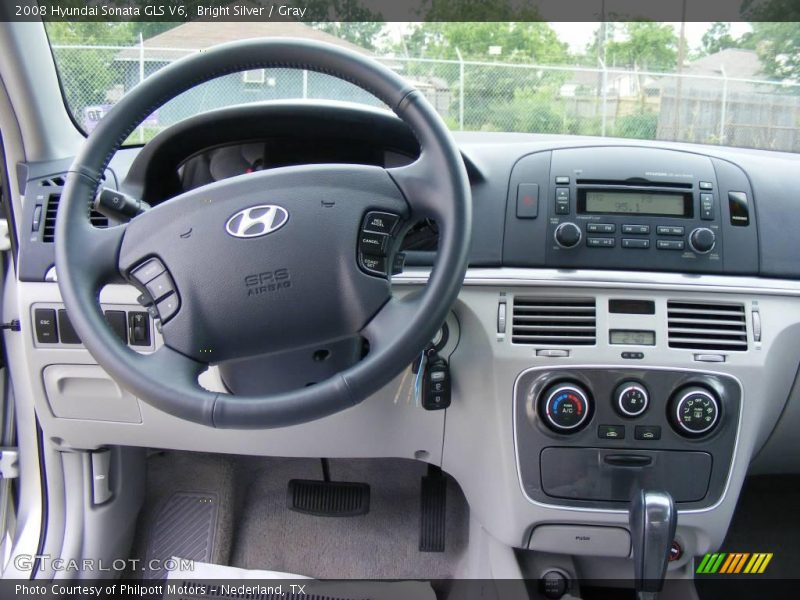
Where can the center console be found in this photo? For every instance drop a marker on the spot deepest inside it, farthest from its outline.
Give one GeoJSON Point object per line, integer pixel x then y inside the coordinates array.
{"type": "Point", "coordinates": [591, 437]}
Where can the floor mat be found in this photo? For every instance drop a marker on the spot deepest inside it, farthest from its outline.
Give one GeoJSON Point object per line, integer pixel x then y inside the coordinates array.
{"type": "Point", "coordinates": [381, 544]}
{"type": "Point", "coordinates": [188, 509]}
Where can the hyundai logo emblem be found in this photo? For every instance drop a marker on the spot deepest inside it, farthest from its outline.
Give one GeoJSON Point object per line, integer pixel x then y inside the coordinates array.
{"type": "Point", "coordinates": [257, 221]}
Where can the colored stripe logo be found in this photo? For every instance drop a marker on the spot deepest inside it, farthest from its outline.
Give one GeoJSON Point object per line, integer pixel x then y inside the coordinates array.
{"type": "Point", "coordinates": [732, 563]}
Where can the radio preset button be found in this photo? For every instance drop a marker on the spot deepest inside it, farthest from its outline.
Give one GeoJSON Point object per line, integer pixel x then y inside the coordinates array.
{"type": "Point", "coordinates": [640, 244]}
{"type": "Point", "coordinates": [670, 230]}
{"type": "Point", "coordinates": [600, 242]}
{"type": "Point", "coordinates": [636, 229]}
{"type": "Point", "coordinates": [670, 244]}
{"type": "Point", "coordinates": [601, 228]}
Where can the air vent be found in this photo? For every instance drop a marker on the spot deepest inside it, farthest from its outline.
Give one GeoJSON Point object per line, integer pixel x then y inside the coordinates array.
{"type": "Point", "coordinates": [554, 321]}
{"type": "Point", "coordinates": [49, 230]}
{"type": "Point", "coordinates": [701, 326]}
{"type": "Point", "coordinates": [52, 182]}
{"type": "Point", "coordinates": [49, 233]}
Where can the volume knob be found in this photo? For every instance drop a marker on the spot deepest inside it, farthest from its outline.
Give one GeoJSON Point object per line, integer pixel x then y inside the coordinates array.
{"type": "Point", "coordinates": [568, 235]}
{"type": "Point", "coordinates": [702, 240]}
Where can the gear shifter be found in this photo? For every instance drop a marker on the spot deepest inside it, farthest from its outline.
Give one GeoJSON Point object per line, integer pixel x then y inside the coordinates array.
{"type": "Point", "coordinates": [652, 519]}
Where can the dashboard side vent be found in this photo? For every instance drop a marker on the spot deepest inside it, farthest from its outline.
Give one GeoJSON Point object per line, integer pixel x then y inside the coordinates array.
{"type": "Point", "coordinates": [56, 181]}
{"type": "Point", "coordinates": [706, 326]}
{"type": "Point", "coordinates": [554, 321]}
{"type": "Point", "coordinates": [49, 225]}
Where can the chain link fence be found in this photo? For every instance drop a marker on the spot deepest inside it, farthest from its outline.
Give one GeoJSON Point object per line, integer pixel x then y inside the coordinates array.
{"type": "Point", "coordinates": [473, 96]}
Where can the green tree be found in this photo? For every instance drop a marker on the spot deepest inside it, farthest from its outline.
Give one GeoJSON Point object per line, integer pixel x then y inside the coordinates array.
{"type": "Point", "coordinates": [647, 46]}
{"type": "Point", "coordinates": [717, 38]}
{"type": "Point", "coordinates": [505, 41]}
{"type": "Point", "coordinates": [778, 47]}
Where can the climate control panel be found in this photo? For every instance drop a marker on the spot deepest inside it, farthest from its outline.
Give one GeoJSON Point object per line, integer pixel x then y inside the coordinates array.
{"type": "Point", "coordinates": [589, 437]}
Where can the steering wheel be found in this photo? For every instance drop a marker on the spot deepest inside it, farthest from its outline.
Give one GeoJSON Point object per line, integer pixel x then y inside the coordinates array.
{"type": "Point", "coordinates": [268, 261]}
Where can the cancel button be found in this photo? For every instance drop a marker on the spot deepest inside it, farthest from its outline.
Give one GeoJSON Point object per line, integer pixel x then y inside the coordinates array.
{"type": "Point", "coordinates": [582, 540]}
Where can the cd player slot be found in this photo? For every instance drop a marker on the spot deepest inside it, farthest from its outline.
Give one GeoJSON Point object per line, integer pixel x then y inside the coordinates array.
{"type": "Point", "coordinates": [634, 183]}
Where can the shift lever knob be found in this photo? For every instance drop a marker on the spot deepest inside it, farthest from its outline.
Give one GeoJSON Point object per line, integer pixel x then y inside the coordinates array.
{"type": "Point", "coordinates": [652, 520]}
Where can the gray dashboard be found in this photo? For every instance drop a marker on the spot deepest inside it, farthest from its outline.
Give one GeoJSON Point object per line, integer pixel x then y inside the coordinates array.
{"type": "Point", "coordinates": [750, 359]}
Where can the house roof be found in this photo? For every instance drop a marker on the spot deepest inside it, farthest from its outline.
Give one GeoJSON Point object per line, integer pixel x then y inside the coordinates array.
{"type": "Point", "coordinates": [737, 63]}
{"type": "Point", "coordinates": [198, 35]}
{"type": "Point", "coordinates": [706, 74]}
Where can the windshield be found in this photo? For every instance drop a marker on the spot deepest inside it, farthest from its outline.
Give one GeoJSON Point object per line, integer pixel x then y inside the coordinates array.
{"type": "Point", "coordinates": [733, 84]}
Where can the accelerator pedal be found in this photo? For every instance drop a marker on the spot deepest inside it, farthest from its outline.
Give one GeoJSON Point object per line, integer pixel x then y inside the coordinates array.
{"type": "Point", "coordinates": [328, 498]}
{"type": "Point", "coordinates": [432, 517]}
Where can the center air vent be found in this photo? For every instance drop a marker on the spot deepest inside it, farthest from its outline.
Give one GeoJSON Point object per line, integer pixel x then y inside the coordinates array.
{"type": "Point", "coordinates": [554, 321]}
{"type": "Point", "coordinates": [49, 225]}
{"type": "Point", "coordinates": [701, 326]}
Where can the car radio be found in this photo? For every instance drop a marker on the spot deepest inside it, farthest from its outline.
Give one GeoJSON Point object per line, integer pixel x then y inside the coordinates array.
{"type": "Point", "coordinates": [631, 208]}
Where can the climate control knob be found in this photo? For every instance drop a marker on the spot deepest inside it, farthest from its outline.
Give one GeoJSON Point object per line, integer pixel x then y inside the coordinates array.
{"type": "Point", "coordinates": [568, 235]}
{"type": "Point", "coordinates": [631, 399]}
{"type": "Point", "coordinates": [565, 407]}
{"type": "Point", "coordinates": [702, 240]}
{"type": "Point", "coordinates": [694, 411]}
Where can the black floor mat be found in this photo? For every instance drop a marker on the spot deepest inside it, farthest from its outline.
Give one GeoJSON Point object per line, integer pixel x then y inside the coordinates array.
{"type": "Point", "coordinates": [184, 528]}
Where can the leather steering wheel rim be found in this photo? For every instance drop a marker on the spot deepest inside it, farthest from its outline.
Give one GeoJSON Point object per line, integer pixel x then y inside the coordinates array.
{"type": "Point", "coordinates": [434, 186]}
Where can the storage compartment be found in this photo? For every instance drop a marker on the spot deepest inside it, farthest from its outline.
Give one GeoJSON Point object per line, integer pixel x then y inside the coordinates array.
{"type": "Point", "coordinates": [87, 392]}
{"type": "Point", "coordinates": [614, 475]}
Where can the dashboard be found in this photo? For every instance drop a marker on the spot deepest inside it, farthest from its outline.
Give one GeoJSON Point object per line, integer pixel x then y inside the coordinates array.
{"type": "Point", "coordinates": [630, 315]}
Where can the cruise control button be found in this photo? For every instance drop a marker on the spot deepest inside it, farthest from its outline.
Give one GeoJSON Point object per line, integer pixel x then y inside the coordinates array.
{"type": "Point", "coordinates": [628, 243]}
{"type": "Point", "coordinates": [373, 243]}
{"type": "Point", "coordinates": [160, 286]}
{"type": "Point", "coordinates": [380, 222]}
{"type": "Point", "coordinates": [168, 307]}
{"type": "Point", "coordinates": [375, 264]}
{"type": "Point", "coordinates": [148, 271]}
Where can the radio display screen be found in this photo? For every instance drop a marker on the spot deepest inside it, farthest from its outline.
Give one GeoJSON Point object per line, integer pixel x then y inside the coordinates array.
{"type": "Point", "coordinates": [625, 202]}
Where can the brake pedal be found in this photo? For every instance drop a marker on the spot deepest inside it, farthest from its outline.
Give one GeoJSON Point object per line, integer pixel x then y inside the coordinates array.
{"type": "Point", "coordinates": [433, 505]}
{"type": "Point", "coordinates": [328, 498]}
